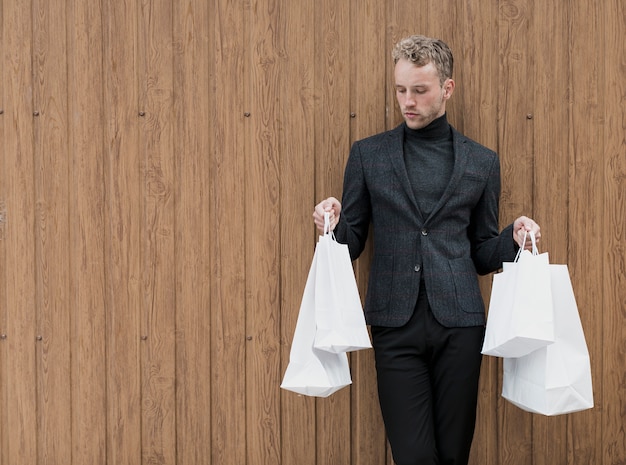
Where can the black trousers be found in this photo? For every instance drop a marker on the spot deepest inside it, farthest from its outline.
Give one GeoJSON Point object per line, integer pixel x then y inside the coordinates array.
{"type": "Point", "coordinates": [428, 387]}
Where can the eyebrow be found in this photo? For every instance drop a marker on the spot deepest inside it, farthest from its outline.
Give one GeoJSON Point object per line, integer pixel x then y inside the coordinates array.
{"type": "Point", "coordinates": [413, 85]}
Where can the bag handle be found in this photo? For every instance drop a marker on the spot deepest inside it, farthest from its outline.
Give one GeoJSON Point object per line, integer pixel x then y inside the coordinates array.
{"type": "Point", "coordinates": [533, 240]}
{"type": "Point", "coordinates": [327, 229]}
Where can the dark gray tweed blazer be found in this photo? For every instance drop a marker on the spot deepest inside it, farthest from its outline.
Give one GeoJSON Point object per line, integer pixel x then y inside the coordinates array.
{"type": "Point", "coordinates": [458, 239]}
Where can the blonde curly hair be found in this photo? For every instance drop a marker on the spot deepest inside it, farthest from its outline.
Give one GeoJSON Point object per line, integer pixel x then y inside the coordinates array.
{"type": "Point", "coordinates": [421, 50]}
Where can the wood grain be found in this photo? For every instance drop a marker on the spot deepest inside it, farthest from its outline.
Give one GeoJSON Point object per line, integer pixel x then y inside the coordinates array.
{"type": "Point", "coordinates": [297, 198]}
{"type": "Point", "coordinates": [516, 105]}
{"type": "Point", "coordinates": [159, 165]}
{"type": "Point", "coordinates": [86, 233]}
{"type": "Point", "coordinates": [369, 75]}
{"type": "Point", "coordinates": [20, 379]}
{"type": "Point", "coordinates": [51, 233]}
{"type": "Point", "coordinates": [4, 398]}
{"type": "Point", "coordinates": [158, 283]}
{"type": "Point", "coordinates": [124, 237]}
{"type": "Point", "coordinates": [331, 146]}
{"type": "Point", "coordinates": [585, 210]}
{"type": "Point", "coordinates": [193, 232]}
{"type": "Point", "coordinates": [227, 184]}
{"type": "Point", "coordinates": [551, 162]}
{"type": "Point", "coordinates": [612, 382]}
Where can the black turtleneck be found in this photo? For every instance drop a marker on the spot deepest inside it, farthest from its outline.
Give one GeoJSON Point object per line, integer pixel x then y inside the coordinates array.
{"type": "Point", "coordinates": [429, 159]}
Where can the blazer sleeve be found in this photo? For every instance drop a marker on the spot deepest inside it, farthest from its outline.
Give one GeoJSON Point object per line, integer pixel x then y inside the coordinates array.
{"type": "Point", "coordinates": [490, 248]}
{"type": "Point", "coordinates": [356, 211]}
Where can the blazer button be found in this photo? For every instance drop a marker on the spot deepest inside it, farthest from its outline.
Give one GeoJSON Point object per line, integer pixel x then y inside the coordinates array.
{"type": "Point", "coordinates": [424, 232]}
{"type": "Point", "coordinates": [417, 268]}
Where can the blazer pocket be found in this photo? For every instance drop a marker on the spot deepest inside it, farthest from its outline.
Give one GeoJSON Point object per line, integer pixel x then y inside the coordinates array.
{"type": "Point", "coordinates": [468, 296]}
{"type": "Point", "coordinates": [380, 282]}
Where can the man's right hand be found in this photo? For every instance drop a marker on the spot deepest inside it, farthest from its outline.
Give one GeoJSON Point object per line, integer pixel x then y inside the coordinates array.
{"type": "Point", "coordinates": [332, 206]}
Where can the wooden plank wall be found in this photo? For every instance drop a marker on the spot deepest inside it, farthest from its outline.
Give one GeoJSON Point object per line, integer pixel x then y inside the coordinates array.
{"type": "Point", "coordinates": [158, 167]}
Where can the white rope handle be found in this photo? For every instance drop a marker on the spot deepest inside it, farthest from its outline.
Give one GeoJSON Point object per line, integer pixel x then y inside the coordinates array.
{"type": "Point", "coordinates": [327, 229]}
{"type": "Point", "coordinates": [533, 240]}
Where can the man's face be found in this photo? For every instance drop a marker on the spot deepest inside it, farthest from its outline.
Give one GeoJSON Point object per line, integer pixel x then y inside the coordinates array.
{"type": "Point", "coordinates": [420, 95]}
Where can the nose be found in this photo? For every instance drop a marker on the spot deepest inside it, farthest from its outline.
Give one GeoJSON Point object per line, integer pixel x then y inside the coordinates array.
{"type": "Point", "coordinates": [409, 99]}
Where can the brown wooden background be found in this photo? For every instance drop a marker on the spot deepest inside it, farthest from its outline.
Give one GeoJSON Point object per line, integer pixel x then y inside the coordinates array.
{"type": "Point", "coordinates": [159, 162]}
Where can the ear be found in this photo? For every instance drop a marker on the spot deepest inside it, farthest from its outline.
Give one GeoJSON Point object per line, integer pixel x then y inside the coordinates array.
{"type": "Point", "coordinates": [448, 88]}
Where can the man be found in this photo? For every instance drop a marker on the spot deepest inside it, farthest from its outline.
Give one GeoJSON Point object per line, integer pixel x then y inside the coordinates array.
{"type": "Point", "coordinates": [431, 195]}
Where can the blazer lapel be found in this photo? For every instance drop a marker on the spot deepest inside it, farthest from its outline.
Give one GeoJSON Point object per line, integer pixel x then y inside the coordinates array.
{"type": "Point", "coordinates": [460, 163]}
{"type": "Point", "coordinates": [395, 152]}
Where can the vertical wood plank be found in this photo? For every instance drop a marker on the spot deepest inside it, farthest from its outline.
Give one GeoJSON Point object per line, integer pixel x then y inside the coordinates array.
{"type": "Point", "coordinates": [266, 25]}
{"type": "Point", "coordinates": [551, 162]}
{"type": "Point", "coordinates": [158, 320]}
{"type": "Point", "coordinates": [4, 303]}
{"type": "Point", "coordinates": [123, 234]}
{"type": "Point", "coordinates": [515, 136]}
{"type": "Point", "coordinates": [228, 152]}
{"type": "Point", "coordinates": [4, 352]}
{"type": "Point", "coordinates": [586, 211]}
{"type": "Point", "coordinates": [297, 198]}
{"type": "Point", "coordinates": [614, 256]}
{"type": "Point", "coordinates": [370, 80]}
{"type": "Point", "coordinates": [4, 405]}
{"type": "Point", "coordinates": [52, 231]}
{"type": "Point", "coordinates": [515, 104]}
{"type": "Point", "coordinates": [192, 105]}
{"type": "Point", "coordinates": [119, 226]}
{"type": "Point", "coordinates": [550, 141]}
{"type": "Point", "coordinates": [476, 57]}
{"type": "Point", "coordinates": [86, 232]}
{"type": "Point", "coordinates": [332, 144]}
{"type": "Point", "coordinates": [21, 378]}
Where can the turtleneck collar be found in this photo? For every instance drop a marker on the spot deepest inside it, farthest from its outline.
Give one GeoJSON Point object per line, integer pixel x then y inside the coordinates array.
{"type": "Point", "coordinates": [438, 129]}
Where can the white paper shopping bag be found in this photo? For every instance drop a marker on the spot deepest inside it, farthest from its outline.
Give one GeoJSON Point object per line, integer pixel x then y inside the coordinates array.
{"type": "Point", "coordinates": [556, 379]}
{"type": "Point", "coordinates": [520, 318]}
{"type": "Point", "coordinates": [338, 310]}
{"type": "Point", "coordinates": [313, 372]}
